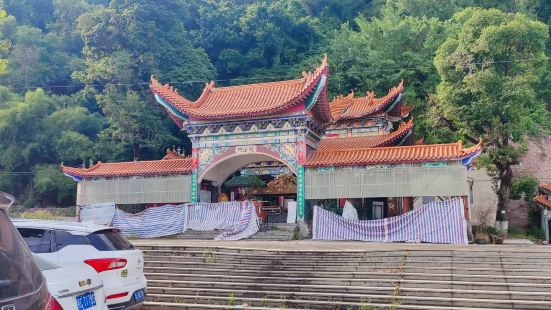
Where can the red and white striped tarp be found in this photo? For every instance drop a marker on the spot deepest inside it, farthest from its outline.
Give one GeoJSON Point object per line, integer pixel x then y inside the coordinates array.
{"type": "Point", "coordinates": [237, 220]}
{"type": "Point", "coordinates": [436, 222]}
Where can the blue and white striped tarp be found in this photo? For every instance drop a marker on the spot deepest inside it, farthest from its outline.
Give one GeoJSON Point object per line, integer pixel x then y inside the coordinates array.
{"type": "Point", "coordinates": [436, 222]}
{"type": "Point", "coordinates": [237, 220]}
{"type": "Point", "coordinates": [152, 222]}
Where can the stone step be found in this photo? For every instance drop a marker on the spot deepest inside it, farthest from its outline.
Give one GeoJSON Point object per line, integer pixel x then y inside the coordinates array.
{"type": "Point", "coordinates": [339, 277]}
{"type": "Point", "coordinates": [215, 267]}
{"type": "Point", "coordinates": [527, 253]}
{"type": "Point", "coordinates": [191, 277]}
{"type": "Point", "coordinates": [238, 256]}
{"type": "Point", "coordinates": [356, 295]}
{"type": "Point", "coordinates": [207, 257]}
{"type": "Point", "coordinates": [315, 256]}
{"type": "Point", "coordinates": [367, 300]}
{"type": "Point", "coordinates": [328, 286]}
{"type": "Point", "coordinates": [206, 268]}
{"type": "Point", "coordinates": [150, 305]}
{"type": "Point", "coordinates": [381, 254]}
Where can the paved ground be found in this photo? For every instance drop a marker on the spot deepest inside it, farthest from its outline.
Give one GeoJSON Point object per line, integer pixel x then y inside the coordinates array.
{"type": "Point", "coordinates": [336, 246]}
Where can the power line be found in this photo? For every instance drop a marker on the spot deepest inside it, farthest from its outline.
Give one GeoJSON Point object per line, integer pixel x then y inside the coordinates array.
{"type": "Point", "coordinates": [281, 77]}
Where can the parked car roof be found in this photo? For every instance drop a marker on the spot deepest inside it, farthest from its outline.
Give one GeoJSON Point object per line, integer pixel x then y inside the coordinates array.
{"type": "Point", "coordinates": [6, 200]}
{"type": "Point", "coordinates": [48, 224]}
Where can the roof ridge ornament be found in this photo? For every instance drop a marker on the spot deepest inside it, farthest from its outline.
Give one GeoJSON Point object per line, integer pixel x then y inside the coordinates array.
{"type": "Point", "coordinates": [370, 95]}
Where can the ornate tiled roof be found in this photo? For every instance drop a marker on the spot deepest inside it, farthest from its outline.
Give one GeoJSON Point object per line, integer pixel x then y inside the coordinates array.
{"type": "Point", "coordinates": [245, 100]}
{"type": "Point", "coordinates": [405, 110]}
{"type": "Point", "coordinates": [390, 155]}
{"type": "Point", "coordinates": [349, 107]}
{"type": "Point", "coordinates": [338, 143]}
{"type": "Point", "coordinates": [170, 166]}
{"type": "Point", "coordinates": [545, 187]}
{"type": "Point", "coordinates": [540, 199]}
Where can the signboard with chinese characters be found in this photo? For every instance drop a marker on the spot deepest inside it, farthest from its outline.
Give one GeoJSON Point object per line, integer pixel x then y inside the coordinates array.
{"type": "Point", "coordinates": [245, 149]}
{"type": "Point", "coordinates": [300, 193]}
{"type": "Point", "coordinates": [194, 186]}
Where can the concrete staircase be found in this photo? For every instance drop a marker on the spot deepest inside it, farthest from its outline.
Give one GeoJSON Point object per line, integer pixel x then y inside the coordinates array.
{"type": "Point", "coordinates": [194, 277]}
{"type": "Point", "coordinates": [276, 231]}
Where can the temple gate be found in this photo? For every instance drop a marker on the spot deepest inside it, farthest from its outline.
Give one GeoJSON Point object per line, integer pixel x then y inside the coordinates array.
{"type": "Point", "coordinates": [354, 147]}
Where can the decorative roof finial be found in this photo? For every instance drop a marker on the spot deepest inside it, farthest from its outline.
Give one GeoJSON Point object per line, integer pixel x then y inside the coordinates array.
{"type": "Point", "coordinates": [370, 95]}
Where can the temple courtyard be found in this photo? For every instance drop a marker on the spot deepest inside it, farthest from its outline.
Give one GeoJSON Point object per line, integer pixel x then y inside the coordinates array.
{"type": "Point", "coordinates": [307, 274]}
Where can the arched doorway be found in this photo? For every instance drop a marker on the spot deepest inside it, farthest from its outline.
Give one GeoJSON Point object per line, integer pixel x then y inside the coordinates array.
{"type": "Point", "coordinates": [256, 176]}
{"type": "Point", "coordinates": [219, 171]}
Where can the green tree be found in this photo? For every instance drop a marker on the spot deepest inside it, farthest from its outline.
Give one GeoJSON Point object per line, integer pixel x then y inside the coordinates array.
{"type": "Point", "coordinates": [524, 186]}
{"type": "Point", "coordinates": [35, 13]}
{"type": "Point", "coordinates": [490, 67]}
{"type": "Point", "coordinates": [257, 38]}
{"type": "Point", "coordinates": [131, 124]}
{"type": "Point", "coordinates": [384, 50]}
{"type": "Point", "coordinates": [36, 59]}
{"type": "Point", "coordinates": [4, 43]}
{"type": "Point", "coordinates": [442, 10]}
{"type": "Point", "coordinates": [124, 44]}
{"type": "Point", "coordinates": [51, 187]}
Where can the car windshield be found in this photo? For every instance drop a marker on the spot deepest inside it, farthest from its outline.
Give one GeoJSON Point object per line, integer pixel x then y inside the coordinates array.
{"type": "Point", "coordinates": [19, 274]}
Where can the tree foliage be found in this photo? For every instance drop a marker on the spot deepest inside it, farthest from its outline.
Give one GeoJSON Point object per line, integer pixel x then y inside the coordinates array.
{"type": "Point", "coordinates": [74, 73]}
{"type": "Point", "coordinates": [384, 50]}
{"type": "Point", "coordinates": [490, 68]}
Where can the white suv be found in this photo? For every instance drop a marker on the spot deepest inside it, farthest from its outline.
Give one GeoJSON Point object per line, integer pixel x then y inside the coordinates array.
{"type": "Point", "coordinates": [105, 249]}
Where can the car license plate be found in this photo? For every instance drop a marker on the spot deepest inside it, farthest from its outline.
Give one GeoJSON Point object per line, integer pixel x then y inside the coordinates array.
{"type": "Point", "coordinates": [86, 301]}
{"type": "Point", "coordinates": [138, 295]}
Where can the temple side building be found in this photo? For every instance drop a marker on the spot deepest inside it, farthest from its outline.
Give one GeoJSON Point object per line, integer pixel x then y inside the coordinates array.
{"type": "Point", "coordinates": [288, 135]}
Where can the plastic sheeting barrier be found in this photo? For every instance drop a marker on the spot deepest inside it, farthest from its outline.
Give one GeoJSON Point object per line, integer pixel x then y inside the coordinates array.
{"type": "Point", "coordinates": [436, 222]}
{"type": "Point", "coordinates": [237, 220]}
{"type": "Point", "coordinates": [98, 213]}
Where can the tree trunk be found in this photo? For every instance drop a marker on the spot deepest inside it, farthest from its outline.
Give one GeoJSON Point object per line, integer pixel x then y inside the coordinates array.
{"type": "Point", "coordinates": [505, 183]}
{"type": "Point", "coordinates": [136, 150]}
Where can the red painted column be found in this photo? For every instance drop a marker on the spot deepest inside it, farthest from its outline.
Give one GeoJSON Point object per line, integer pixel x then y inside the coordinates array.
{"type": "Point", "coordinates": [405, 204]}
{"type": "Point", "coordinates": [466, 206]}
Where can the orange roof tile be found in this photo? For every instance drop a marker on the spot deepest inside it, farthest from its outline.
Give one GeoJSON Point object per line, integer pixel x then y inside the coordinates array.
{"type": "Point", "coordinates": [149, 167]}
{"type": "Point", "coordinates": [330, 143]}
{"type": "Point", "coordinates": [545, 187]}
{"type": "Point", "coordinates": [349, 107]}
{"type": "Point", "coordinates": [542, 201]}
{"type": "Point", "coordinates": [389, 155]}
{"type": "Point", "coordinates": [243, 100]}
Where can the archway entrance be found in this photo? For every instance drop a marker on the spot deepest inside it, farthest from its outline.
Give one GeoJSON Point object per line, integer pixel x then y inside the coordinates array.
{"type": "Point", "coordinates": [262, 178]}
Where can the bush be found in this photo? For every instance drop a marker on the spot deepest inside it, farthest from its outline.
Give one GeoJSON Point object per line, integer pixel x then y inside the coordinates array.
{"type": "Point", "coordinates": [491, 230]}
{"type": "Point", "coordinates": [515, 233]}
{"type": "Point", "coordinates": [536, 233]}
{"type": "Point", "coordinates": [40, 215]}
{"type": "Point", "coordinates": [44, 214]}
{"type": "Point", "coordinates": [296, 233]}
